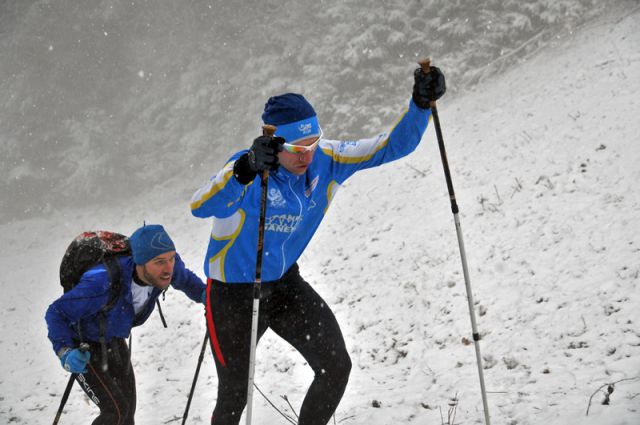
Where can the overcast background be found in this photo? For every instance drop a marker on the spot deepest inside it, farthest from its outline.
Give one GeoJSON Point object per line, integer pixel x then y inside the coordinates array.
{"type": "Point", "coordinates": [102, 100]}
{"type": "Point", "coordinates": [112, 113]}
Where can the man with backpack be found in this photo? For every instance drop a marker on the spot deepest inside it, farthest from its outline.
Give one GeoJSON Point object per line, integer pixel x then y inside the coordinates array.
{"type": "Point", "coordinates": [89, 323]}
{"type": "Point", "coordinates": [302, 171]}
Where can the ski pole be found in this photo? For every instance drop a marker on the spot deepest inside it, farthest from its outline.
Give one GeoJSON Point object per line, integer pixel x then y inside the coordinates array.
{"type": "Point", "coordinates": [195, 378]}
{"type": "Point", "coordinates": [426, 68]}
{"type": "Point", "coordinates": [84, 347]}
{"type": "Point", "coordinates": [267, 130]}
{"type": "Point", "coordinates": [65, 396]}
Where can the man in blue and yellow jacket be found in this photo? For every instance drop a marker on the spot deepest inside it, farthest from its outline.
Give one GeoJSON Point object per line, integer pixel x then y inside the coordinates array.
{"type": "Point", "coordinates": [75, 318]}
{"type": "Point", "coordinates": [305, 172]}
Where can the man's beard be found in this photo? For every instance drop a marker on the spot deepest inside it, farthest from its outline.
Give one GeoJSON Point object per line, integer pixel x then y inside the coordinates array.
{"type": "Point", "coordinates": [155, 282]}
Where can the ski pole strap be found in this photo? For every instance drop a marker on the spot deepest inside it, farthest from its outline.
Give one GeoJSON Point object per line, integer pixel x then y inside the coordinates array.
{"type": "Point", "coordinates": [164, 322]}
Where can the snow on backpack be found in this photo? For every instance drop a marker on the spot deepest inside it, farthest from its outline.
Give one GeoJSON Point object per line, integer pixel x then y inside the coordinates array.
{"type": "Point", "coordinates": [90, 249]}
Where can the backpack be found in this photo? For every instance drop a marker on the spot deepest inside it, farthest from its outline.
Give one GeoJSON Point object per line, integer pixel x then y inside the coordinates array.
{"type": "Point", "coordinates": [90, 249]}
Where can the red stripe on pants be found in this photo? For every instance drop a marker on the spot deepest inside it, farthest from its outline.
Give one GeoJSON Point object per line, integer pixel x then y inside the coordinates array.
{"type": "Point", "coordinates": [212, 327]}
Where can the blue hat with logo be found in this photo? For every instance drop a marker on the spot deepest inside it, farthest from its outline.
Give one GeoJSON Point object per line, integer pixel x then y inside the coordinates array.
{"type": "Point", "coordinates": [293, 116]}
{"type": "Point", "coordinates": [148, 242]}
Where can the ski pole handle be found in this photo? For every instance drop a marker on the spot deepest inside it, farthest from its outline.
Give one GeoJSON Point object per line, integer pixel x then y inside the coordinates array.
{"type": "Point", "coordinates": [425, 64]}
{"type": "Point", "coordinates": [269, 130]}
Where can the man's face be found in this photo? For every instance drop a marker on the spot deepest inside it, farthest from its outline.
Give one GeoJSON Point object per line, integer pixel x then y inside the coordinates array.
{"type": "Point", "coordinates": [297, 163]}
{"type": "Point", "coordinates": [158, 271]}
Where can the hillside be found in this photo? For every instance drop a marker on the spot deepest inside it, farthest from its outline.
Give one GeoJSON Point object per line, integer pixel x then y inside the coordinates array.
{"type": "Point", "coordinates": [93, 91]}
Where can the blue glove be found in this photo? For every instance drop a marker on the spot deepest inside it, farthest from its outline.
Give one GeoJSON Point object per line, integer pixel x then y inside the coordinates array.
{"type": "Point", "coordinates": [203, 298]}
{"type": "Point", "coordinates": [75, 361]}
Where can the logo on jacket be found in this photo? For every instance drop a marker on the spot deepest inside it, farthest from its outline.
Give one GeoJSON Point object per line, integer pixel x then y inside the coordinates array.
{"type": "Point", "coordinates": [276, 199]}
{"type": "Point", "coordinates": [344, 146]}
{"type": "Point", "coordinates": [282, 223]}
{"type": "Point", "coordinates": [311, 187]}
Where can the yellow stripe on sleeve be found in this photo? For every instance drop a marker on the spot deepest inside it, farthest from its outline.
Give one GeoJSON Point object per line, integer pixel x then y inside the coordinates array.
{"type": "Point", "coordinates": [200, 199]}
{"type": "Point", "coordinates": [357, 159]}
{"type": "Point", "coordinates": [225, 230]}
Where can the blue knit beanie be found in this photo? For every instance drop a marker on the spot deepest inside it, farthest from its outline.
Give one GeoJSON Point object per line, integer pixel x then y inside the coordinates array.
{"type": "Point", "coordinates": [293, 116]}
{"type": "Point", "coordinates": [148, 242]}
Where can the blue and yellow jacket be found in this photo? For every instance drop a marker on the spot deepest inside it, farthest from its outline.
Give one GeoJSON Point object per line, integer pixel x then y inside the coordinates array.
{"type": "Point", "coordinates": [296, 204]}
{"type": "Point", "coordinates": [83, 303]}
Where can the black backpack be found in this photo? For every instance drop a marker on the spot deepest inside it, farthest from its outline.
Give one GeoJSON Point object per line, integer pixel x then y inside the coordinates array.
{"type": "Point", "coordinates": [90, 249]}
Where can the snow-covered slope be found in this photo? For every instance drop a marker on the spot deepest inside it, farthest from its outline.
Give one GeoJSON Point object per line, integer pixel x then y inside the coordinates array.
{"type": "Point", "coordinates": [544, 163]}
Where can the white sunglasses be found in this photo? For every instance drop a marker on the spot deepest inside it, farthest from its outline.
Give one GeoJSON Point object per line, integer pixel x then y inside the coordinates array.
{"type": "Point", "coordinates": [293, 148]}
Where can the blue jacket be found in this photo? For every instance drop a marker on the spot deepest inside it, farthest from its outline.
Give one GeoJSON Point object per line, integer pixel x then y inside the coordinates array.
{"type": "Point", "coordinates": [82, 304]}
{"type": "Point", "coordinates": [296, 204]}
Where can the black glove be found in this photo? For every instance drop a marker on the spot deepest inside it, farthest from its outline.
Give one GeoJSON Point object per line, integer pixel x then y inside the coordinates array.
{"type": "Point", "coordinates": [428, 87]}
{"type": "Point", "coordinates": [263, 155]}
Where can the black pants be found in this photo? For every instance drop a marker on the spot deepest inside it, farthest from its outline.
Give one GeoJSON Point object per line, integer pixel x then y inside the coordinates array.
{"type": "Point", "coordinates": [114, 391]}
{"type": "Point", "coordinates": [294, 311]}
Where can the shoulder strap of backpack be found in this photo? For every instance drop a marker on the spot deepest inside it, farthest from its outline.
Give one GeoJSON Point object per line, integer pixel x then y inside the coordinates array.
{"type": "Point", "coordinates": [115, 288]}
{"type": "Point", "coordinates": [115, 278]}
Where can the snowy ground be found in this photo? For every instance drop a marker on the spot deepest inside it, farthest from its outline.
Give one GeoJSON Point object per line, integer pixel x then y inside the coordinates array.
{"type": "Point", "coordinates": [545, 166]}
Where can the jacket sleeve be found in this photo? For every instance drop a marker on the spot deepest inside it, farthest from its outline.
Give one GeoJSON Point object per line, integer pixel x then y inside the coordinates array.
{"type": "Point", "coordinates": [221, 195]}
{"type": "Point", "coordinates": [84, 300]}
{"type": "Point", "coordinates": [187, 281]}
{"type": "Point", "coordinates": [349, 157]}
